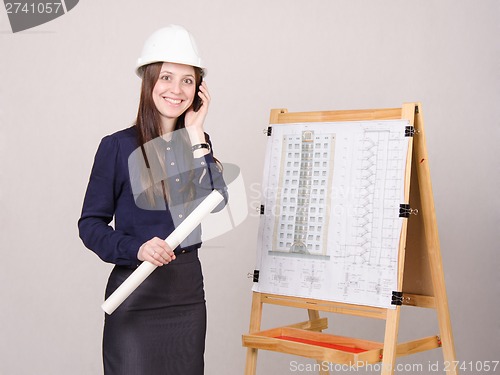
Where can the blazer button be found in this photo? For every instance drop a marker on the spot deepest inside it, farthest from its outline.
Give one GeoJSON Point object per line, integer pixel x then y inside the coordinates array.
{"type": "Point", "coordinates": [172, 163]}
{"type": "Point", "coordinates": [180, 216]}
{"type": "Point", "coordinates": [177, 180]}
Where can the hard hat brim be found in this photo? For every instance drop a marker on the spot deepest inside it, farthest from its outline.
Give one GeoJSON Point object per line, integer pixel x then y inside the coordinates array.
{"type": "Point", "coordinates": [139, 70]}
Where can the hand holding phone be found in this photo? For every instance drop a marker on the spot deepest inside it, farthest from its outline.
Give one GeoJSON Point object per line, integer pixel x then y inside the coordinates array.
{"type": "Point", "coordinates": [195, 116]}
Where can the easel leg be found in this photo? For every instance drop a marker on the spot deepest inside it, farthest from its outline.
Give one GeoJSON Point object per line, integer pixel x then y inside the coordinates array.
{"type": "Point", "coordinates": [255, 320]}
{"type": "Point", "coordinates": [432, 244]}
{"type": "Point", "coordinates": [443, 314]}
{"type": "Point", "coordinates": [251, 366]}
{"type": "Point", "coordinates": [390, 341]}
{"type": "Point", "coordinates": [314, 315]}
{"type": "Point", "coordinates": [447, 342]}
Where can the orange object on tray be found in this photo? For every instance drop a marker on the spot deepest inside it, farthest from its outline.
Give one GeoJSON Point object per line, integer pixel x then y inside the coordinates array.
{"type": "Point", "coordinates": [349, 349]}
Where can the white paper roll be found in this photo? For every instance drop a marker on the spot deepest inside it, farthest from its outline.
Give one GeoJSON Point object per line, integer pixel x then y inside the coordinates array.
{"type": "Point", "coordinates": [175, 238]}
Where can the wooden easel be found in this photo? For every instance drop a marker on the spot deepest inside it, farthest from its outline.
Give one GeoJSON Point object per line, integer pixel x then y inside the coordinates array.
{"type": "Point", "coordinates": [420, 274]}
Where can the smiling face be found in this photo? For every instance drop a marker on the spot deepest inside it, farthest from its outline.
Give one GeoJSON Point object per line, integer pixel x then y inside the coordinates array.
{"type": "Point", "coordinates": [173, 93]}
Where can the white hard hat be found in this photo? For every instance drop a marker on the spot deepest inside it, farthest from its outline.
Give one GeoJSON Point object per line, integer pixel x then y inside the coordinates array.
{"type": "Point", "coordinates": [170, 44]}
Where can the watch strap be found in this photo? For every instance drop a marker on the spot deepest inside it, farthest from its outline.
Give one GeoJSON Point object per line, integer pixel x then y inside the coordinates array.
{"type": "Point", "coordinates": [200, 145]}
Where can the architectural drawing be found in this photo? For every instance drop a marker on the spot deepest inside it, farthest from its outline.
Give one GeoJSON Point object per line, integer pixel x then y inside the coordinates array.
{"type": "Point", "coordinates": [330, 226]}
{"type": "Point", "coordinates": [306, 169]}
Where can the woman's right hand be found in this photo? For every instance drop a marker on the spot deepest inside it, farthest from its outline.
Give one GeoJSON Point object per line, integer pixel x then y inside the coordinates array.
{"type": "Point", "coordinates": [156, 251]}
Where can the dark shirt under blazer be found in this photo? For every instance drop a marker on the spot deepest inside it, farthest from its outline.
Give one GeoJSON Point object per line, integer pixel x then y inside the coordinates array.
{"type": "Point", "coordinates": [110, 195]}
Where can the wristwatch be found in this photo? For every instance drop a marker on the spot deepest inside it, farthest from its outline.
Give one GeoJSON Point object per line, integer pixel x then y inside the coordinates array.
{"type": "Point", "coordinates": [200, 145]}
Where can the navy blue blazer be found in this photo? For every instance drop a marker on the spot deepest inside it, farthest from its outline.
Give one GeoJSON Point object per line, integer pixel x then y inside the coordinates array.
{"type": "Point", "coordinates": [114, 192]}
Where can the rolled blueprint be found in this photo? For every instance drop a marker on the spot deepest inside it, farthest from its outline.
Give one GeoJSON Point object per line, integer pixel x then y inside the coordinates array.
{"type": "Point", "coordinates": [175, 238]}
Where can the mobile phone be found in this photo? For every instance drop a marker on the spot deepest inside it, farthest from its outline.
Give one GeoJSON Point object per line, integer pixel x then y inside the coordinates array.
{"type": "Point", "coordinates": [197, 100]}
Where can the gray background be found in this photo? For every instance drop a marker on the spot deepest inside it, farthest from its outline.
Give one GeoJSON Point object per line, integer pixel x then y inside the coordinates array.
{"type": "Point", "coordinates": [66, 84]}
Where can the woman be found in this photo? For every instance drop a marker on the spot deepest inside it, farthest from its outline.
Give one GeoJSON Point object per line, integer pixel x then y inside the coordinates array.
{"type": "Point", "coordinates": [148, 178]}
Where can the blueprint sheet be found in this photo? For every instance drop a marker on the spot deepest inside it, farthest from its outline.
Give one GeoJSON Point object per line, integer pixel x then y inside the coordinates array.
{"type": "Point", "coordinates": [330, 226]}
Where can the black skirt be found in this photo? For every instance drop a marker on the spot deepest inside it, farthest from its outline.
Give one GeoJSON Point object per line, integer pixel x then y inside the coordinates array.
{"type": "Point", "coordinates": [160, 328]}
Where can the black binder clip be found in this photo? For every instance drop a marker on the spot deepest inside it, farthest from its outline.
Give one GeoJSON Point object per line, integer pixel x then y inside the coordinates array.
{"type": "Point", "coordinates": [397, 298]}
{"type": "Point", "coordinates": [268, 131]}
{"type": "Point", "coordinates": [405, 210]}
{"type": "Point", "coordinates": [409, 131]}
{"type": "Point", "coordinates": [256, 276]}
